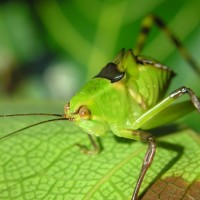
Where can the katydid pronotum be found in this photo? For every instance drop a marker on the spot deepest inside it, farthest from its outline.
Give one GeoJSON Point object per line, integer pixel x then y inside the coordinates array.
{"type": "Point", "coordinates": [127, 98]}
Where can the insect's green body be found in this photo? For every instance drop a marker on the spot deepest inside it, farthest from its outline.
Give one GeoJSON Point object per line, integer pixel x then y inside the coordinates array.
{"type": "Point", "coordinates": [115, 106]}
{"type": "Point", "coordinates": [127, 98]}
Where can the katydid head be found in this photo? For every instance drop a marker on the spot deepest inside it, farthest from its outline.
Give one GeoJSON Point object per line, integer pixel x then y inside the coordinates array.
{"type": "Point", "coordinates": [81, 113]}
{"type": "Point", "coordinates": [84, 117]}
{"type": "Point", "coordinates": [98, 105]}
{"type": "Point", "coordinates": [84, 111]}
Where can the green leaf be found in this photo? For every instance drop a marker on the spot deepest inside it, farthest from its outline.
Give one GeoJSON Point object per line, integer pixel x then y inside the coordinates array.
{"type": "Point", "coordinates": [43, 162]}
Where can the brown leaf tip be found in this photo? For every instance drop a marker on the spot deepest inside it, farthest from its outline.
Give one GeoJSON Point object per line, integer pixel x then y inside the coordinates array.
{"type": "Point", "coordinates": [173, 188]}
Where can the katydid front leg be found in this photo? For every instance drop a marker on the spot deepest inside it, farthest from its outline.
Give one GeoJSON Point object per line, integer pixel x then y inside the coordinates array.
{"type": "Point", "coordinates": [95, 146]}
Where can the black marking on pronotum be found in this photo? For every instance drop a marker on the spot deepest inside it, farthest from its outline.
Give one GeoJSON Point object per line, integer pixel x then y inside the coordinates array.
{"type": "Point", "coordinates": [111, 72]}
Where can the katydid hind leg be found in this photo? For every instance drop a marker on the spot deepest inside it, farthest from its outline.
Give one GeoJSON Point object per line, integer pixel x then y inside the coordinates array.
{"type": "Point", "coordinates": [169, 114]}
{"type": "Point", "coordinates": [147, 25]}
{"type": "Point", "coordinates": [95, 146]}
{"type": "Point", "coordinates": [184, 90]}
{"type": "Point", "coordinates": [146, 137]}
{"type": "Point", "coordinates": [148, 159]}
{"type": "Point", "coordinates": [155, 111]}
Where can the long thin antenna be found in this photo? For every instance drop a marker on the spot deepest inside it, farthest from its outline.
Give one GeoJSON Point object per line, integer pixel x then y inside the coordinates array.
{"type": "Point", "coordinates": [32, 114]}
{"type": "Point", "coordinates": [42, 122]}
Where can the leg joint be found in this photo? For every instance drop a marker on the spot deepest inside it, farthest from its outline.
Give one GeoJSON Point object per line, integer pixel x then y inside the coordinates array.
{"type": "Point", "coordinates": [183, 90]}
{"type": "Point", "coordinates": [146, 137]}
{"type": "Point", "coordinates": [179, 92]}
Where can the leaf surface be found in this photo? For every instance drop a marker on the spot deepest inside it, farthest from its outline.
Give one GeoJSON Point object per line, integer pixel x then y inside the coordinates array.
{"type": "Point", "coordinates": [44, 163]}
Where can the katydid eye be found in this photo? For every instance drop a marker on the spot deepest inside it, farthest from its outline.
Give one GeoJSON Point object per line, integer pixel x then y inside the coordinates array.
{"type": "Point", "coordinates": [84, 112]}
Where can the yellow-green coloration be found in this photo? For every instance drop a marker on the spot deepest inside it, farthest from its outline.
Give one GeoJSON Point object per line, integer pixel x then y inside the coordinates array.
{"type": "Point", "coordinates": [127, 99]}
{"type": "Point", "coordinates": [116, 106]}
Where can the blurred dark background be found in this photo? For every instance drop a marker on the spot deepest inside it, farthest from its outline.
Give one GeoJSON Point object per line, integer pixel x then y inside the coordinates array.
{"type": "Point", "coordinates": [48, 49]}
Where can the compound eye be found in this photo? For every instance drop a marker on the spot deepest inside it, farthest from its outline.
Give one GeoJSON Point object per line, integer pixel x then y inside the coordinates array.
{"type": "Point", "coordinates": [84, 112]}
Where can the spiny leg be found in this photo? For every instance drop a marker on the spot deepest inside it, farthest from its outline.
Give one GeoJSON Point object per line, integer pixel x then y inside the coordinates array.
{"type": "Point", "coordinates": [147, 25]}
{"type": "Point", "coordinates": [148, 159]}
{"type": "Point", "coordinates": [95, 146]}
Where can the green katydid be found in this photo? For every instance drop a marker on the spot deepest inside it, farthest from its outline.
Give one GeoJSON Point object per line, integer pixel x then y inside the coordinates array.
{"type": "Point", "coordinates": [127, 98]}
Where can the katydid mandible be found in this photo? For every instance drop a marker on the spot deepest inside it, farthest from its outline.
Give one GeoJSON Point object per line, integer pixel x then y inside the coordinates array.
{"type": "Point", "coordinates": [127, 98]}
